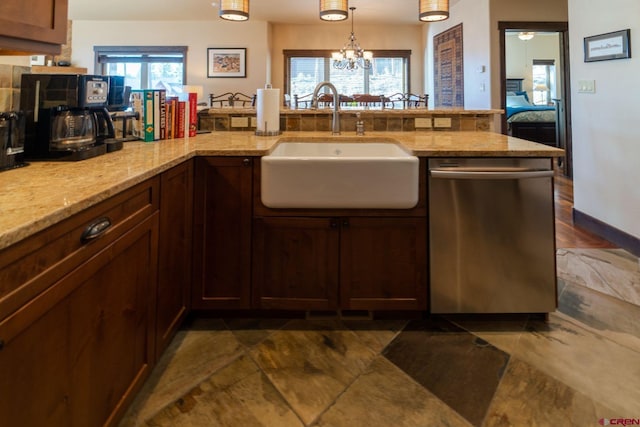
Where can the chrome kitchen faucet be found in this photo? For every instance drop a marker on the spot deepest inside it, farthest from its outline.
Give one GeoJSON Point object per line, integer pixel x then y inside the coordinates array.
{"type": "Point", "coordinates": [335, 126]}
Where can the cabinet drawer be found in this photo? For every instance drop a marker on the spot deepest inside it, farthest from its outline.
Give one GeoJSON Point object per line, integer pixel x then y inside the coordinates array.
{"type": "Point", "coordinates": [30, 266]}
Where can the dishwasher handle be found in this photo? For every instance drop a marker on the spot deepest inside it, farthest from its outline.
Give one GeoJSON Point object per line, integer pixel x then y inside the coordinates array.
{"type": "Point", "coordinates": [493, 173]}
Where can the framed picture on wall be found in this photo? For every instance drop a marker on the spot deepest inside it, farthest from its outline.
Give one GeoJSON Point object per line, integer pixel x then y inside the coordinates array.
{"type": "Point", "coordinates": [607, 46]}
{"type": "Point", "coordinates": [226, 62]}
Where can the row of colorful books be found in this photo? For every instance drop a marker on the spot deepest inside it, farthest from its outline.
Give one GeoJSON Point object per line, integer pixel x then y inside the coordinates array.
{"type": "Point", "coordinates": [163, 117]}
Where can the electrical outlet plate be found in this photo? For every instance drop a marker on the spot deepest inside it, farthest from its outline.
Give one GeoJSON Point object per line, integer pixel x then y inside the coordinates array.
{"type": "Point", "coordinates": [442, 122]}
{"type": "Point", "coordinates": [422, 122]}
{"type": "Point", "coordinates": [239, 122]}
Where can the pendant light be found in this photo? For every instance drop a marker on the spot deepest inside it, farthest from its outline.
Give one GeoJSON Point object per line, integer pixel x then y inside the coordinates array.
{"type": "Point", "coordinates": [434, 10]}
{"type": "Point", "coordinates": [526, 35]}
{"type": "Point", "coordinates": [234, 10]}
{"type": "Point", "coordinates": [352, 56]}
{"type": "Point", "coordinates": [334, 10]}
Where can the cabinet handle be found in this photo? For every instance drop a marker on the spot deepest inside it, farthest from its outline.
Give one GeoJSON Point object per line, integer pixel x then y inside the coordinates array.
{"type": "Point", "coordinates": [246, 162]}
{"type": "Point", "coordinates": [95, 229]}
{"type": "Point", "coordinates": [333, 223]}
{"type": "Point", "coordinates": [345, 223]}
{"type": "Point", "coordinates": [1, 345]}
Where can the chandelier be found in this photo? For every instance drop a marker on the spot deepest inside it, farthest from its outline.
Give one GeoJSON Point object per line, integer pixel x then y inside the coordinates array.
{"type": "Point", "coordinates": [352, 56]}
{"type": "Point", "coordinates": [234, 10]}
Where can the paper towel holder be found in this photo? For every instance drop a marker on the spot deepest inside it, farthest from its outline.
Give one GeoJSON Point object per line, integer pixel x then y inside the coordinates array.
{"type": "Point", "coordinates": [268, 132]}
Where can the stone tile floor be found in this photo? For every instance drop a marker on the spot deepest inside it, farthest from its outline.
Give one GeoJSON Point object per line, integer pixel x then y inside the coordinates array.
{"type": "Point", "coordinates": [580, 365]}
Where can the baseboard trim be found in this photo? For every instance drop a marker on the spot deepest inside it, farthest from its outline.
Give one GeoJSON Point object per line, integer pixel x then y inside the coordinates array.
{"type": "Point", "coordinates": [604, 230]}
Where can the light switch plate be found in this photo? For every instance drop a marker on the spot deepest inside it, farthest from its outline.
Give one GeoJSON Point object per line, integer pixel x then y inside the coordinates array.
{"type": "Point", "coordinates": [586, 86]}
{"type": "Point", "coordinates": [442, 122]}
{"type": "Point", "coordinates": [422, 122]}
{"type": "Point", "coordinates": [239, 122]}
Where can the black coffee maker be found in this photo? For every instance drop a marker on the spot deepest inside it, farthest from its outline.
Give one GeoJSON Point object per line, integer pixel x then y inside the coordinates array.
{"type": "Point", "coordinates": [11, 140]}
{"type": "Point", "coordinates": [65, 116]}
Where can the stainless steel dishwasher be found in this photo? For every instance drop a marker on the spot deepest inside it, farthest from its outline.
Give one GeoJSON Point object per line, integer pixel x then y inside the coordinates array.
{"type": "Point", "coordinates": [492, 235]}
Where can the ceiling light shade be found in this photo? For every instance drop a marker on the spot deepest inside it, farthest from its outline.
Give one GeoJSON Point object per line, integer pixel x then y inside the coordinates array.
{"type": "Point", "coordinates": [434, 10]}
{"type": "Point", "coordinates": [234, 10]}
{"type": "Point", "coordinates": [525, 35]}
{"type": "Point", "coordinates": [334, 10]}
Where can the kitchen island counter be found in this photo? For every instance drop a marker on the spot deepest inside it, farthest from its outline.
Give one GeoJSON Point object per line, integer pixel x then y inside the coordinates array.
{"type": "Point", "coordinates": [44, 193]}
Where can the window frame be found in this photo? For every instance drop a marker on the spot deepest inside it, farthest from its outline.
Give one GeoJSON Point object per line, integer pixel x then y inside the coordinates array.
{"type": "Point", "coordinates": [114, 51]}
{"type": "Point", "coordinates": [405, 54]}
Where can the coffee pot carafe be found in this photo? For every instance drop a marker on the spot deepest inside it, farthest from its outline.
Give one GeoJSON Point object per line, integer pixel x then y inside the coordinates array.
{"type": "Point", "coordinates": [72, 129]}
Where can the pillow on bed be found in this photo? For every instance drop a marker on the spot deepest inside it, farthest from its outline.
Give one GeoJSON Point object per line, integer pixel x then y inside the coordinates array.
{"type": "Point", "coordinates": [523, 93]}
{"type": "Point", "coordinates": [517, 101]}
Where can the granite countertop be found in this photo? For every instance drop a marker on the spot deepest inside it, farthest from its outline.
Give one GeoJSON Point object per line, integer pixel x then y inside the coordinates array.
{"type": "Point", "coordinates": [39, 195]}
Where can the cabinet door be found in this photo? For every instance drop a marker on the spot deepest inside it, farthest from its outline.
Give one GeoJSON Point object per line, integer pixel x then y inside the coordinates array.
{"type": "Point", "coordinates": [76, 354]}
{"type": "Point", "coordinates": [174, 265]}
{"type": "Point", "coordinates": [222, 233]}
{"type": "Point", "coordinates": [33, 26]}
{"type": "Point", "coordinates": [296, 263]}
{"type": "Point", "coordinates": [383, 264]}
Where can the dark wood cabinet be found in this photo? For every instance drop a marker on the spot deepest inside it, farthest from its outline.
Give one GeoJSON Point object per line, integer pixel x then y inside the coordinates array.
{"type": "Point", "coordinates": [348, 263]}
{"type": "Point", "coordinates": [175, 245]}
{"type": "Point", "coordinates": [222, 233]}
{"type": "Point", "coordinates": [383, 263]}
{"type": "Point", "coordinates": [296, 264]}
{"type": "Point", "coordinates": [34, 26]}
{"type": "Point", "coordinates": [77, 352]}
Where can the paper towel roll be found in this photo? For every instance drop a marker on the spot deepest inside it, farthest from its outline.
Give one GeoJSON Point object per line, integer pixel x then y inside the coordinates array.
{"type": "Point", "coordinates": [268, 107]}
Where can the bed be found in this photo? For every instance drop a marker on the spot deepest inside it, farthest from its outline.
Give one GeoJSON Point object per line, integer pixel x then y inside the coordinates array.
{"type": "Point", "coordinates": [527, 121]}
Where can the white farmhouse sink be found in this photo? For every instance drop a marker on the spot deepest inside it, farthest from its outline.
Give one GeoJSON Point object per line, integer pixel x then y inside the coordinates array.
{"type": "Point", "coordinates": [339, 175]}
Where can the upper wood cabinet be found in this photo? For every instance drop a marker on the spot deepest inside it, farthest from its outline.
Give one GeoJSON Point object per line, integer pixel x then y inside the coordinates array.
{"type": "Point", "coordinates": [32, 26]}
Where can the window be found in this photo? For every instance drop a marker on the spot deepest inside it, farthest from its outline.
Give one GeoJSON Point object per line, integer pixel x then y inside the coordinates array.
{"type": "Point", "coordinates": [544, 81]}
{"type": "Point", "coordinates": [388, 74]}
{"type": "Point", "coordinates": [144, 67]}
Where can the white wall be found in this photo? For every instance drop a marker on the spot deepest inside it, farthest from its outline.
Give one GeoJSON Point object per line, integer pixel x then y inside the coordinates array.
{"type": "Point", "coordinates": [606, 139]}
{"type": "Point", "coordinates": [197, 35]}
{"type": "Point", "coordinates": [474, 14]}
{"type": "Point", "coordinates": [15, 60]}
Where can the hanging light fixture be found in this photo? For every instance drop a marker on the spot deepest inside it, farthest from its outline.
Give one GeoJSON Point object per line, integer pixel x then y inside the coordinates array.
{"type": "Point", "coordinates": [234, 10]}
{"type": "Point", "coordinates": [352, 56]}
{"type": "Point", "coordinates": [334, 10]}
{"type": "Point", "coordinates": [526, 35]}
{"type": "Point", "coordinates": [434, 10]}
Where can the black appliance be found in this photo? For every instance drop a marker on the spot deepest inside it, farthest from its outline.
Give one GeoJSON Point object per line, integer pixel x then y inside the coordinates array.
{"type": "Point", "coordinates": [118, 105]}
{"type": "Point", "coordinates": [118, 98]}
{"type": "Point", "coordinates": [66, 116]}
{"type": "Point", "coordinates": [11, 140]}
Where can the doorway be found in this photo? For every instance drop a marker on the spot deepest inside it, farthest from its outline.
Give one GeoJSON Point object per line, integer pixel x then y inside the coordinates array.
{"type": "Point", "coordinates": [543, 81]}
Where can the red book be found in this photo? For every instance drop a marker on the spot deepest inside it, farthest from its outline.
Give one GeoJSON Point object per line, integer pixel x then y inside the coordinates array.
{"type": "Point", "coordinates": [180, 125]}
{"type": "Point", "coordinates": [193, 114]}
